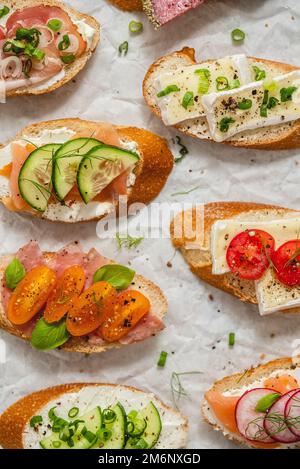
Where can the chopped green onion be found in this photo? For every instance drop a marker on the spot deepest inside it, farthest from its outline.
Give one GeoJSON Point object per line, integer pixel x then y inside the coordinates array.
{"type": "Point", "coordinates": [54, 24]}
{"type": "Point", "coordinates": [272, 102]}
{"type": "Point", "coordinates": [225, 122]}
{"type": "Point", "coordinates": [270, 85]}
{"type": "Point", "coordinates": [51, 414]}
{"type": "Point", "coordinates": [162, 359]}
{"type": "Point", "coordinates": [231, 339]}
{"type": "Point", "coordinates": [188, 99]}
{"type": "Point", "coordinates": [141, 444]}
{"type": "Point", "coordinates": [70, 442]}
{"type": "Point", "coordinates": [90, 436]}
{"type": "Point", "coordinates": [68, 59]}
{"type": "Point", "coordinates": [56, 444]}
{"type": "Point", "coordinates": [222, 84]}
{"type": "Point", "coordinates": [204, 76]}
{"type": "Point", "coordinates": [36, 420]}
{"type": "Point", "coordinates": [245, 104]}
{"type": "Point", "coordinates": [65, 434]}
{"type": "Point", "coordinates": [264, 106]}
{"type": "Point", "coordinates": [169, 89]}
{"type": "Point", "coordinates": [104, 434]}
{"type": "Point", "coordinates": [73, 412]}
{"type": "Point", "coordinates": [65, 43]}
{"type": "Point", "coordinates": [123, 48]}
{"type": "Point", "coordinates": [259, 73]}
{"type": "Point", "coordinates": [37, 54]}
{"type": "Point", "coordinates": [4, 11]}
{"type": "Point", "coordinates": [238, 35]}
{"type": "Point", "coordinates": [267, 401]}
{"type": "Point", "coordinates": [109, 415]}
{"type": "Point", "coordinates": [135, 27]}
{"type": "Point", "coordinates": [58, 425]}
{"type": "Point", "coordinates": [234, 84]}
{"type": "Point", "coordinates": [287, 93]}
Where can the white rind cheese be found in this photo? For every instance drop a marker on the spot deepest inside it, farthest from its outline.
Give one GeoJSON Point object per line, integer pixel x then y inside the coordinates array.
{"type": "Point", "coordinates": [223, 105]}
{"type": "Point", "coordinates": [234, 67]}
{"type": "Point", "coordinates": [173, 434]}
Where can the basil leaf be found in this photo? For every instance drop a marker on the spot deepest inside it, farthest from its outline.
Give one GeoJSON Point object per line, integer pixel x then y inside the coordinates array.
{"type": "Point", "coordinates": [4, 11]}
{"type": "Point", "coordinates": [49, 336]}
{"type": "Point", "coordinates": [14, 273]}
{"type": "Point", "coordinates": [267, 401]}
{"type": "Point", "coordinates": [118, 276]}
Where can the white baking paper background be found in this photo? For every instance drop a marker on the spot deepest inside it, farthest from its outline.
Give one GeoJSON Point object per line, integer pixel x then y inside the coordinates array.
{"type": "Point", "coordinates": [200, 317]}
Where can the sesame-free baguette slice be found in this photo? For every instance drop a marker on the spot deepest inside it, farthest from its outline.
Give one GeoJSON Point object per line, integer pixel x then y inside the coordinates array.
{"type": "Point", "coordinates": [199, 258]}
{"type": "Point", "coordinates": [158, 301]}
{"type": "Point", "coordinates": [240, 380]}
{"type": "Point", "coordinates": [151, 173]}
{"type": "Point", "coordinates": [74, 68]}
{"type": "Point", "coordinates": [128, 5]}
{"type": "Point", "coordinates": [277, 137]}
{"type": "Point", "coordinates": [14, 422]}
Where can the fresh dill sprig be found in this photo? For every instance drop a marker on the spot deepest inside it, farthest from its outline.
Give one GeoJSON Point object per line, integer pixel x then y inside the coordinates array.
{"type": "Point", "coordinates": [128, 241]}
{"type": "Point", "coordinates": [177, 388]}
{"type": "Point", "coordinates": [185, 192]}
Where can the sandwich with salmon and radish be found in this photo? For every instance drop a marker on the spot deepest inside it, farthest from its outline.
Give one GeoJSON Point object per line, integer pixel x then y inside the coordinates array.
{"type": "Point", "coordinates": [236, 100]}
{"type": "Point", "coordinates": [77, 301]}
{"type": "Point", "coordinates": [72, 170]}
{"type": "Point", "coordinates": [92, 416]}
{"type": "Point", "coordinates": [260, 407]}
{"type": "Point", "coordinates": [43, 45]}
{"type": "Point", "coordinates": [249, 250]}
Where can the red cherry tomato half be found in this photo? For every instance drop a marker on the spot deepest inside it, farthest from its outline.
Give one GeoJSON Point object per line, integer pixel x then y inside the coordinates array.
{"type": "Point", "coordinates": [287, 263]}
{"type": "Point", "coordinates": [2, 34]}
{"type": "Point", "coordinates": [248, 253]}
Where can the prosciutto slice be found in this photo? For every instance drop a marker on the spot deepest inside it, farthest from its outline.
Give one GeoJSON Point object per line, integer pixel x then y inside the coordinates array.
{"type": "Point", "coordinates": [92, 262]}
{"type": "Point", "coordinates": [72, 254]}
{"type": "Point", "coordinates": [161, 12]}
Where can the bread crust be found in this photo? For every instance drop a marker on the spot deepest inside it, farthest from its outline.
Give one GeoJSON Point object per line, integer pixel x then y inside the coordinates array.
{"type": "Point", "coordinates": [152, 172]}
{"type": "Point", "coordinates": [288, 134]}
{"type": "Point", "coordinates": [239, 380]}
{"type": "Point", "coordinates": [242, 289]}
{"type": "Point", "coordinates": [128, 5]}
{"type": "Point", "coordinates": [15, 418]}
{"type": "Point", "coordinates": [159, 307]}
{"type": "Point", "coordinates": [71, 70]}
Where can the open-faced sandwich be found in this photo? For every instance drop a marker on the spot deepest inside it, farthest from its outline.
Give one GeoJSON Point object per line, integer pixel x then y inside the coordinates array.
{"type": "Point", "coordinates": [159, 12]}
{"type": "Point", "coordinates": [238, 100]}
{"type": "Point", "coordinates": [81, 302]}
{"type": "Point", "coordinates": [43, 45]}
{"type": "Point", "coordinates": [259, 407]}
{"type": "Point", "coordinates": [249, 250]}
{"type": "Point", "coordinates": [92, 416]}
{"type": "Point", "coordinates": [72, 170]}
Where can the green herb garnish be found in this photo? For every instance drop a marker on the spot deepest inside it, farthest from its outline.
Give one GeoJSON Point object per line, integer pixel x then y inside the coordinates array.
{"type": "Point", "coordinates": [162, 359]}
{"type": "Point", "coordinates": [68, 59]}
{"type": "Point", "coordinates": [135, 27]}
{"type": "Point", "coordinates": [238, 36]}
{"type": "Point", "coordinates": [287, 93]}
{"type": "Point", "coordinates": [128, 241]}
{"type": "Point", "coordinates": [177, 389]}
{"type": "Point", "coordinates": [204, 77]}
{"type": "Point", "coordinates": [14, 273]}
{"type": "Point", "coordinates": [4, 11]}
{"type": "Point", "coordinates": [267, 401]}
{"type": "Point", "coordinates": [54, 24]}
{"type": "Point", "coordinates": [225, 122]}
{"type": "Point", "coordinates": [245, 104]}
{"type": "Point", "coordinates": [231, 339]}
{"type": "Point", "coordinates": [222, 84]}
{"type": "Point", "coordinates": [185, 192]}
{"type": "Point", "coordinates": [123, 48]}
{"type": "Point", "coordinates": [188, 99]}
{"type": "Point", "coordinates": [64, 43]}
{"type": "Point", "coordinates": [169, 89]}
{"type": "Point", "coordinates": [119, 276]}
{"type": "Point", "coordinates": [36, 420]}
{"type": "Point", "coordinates": [183, 150]}
{"type": "Point", "coordinates": [49, 336]}
{"type": "Point", "coordinates": [73, 412]}
{"type": "Point", "coordinates": [259, 73]}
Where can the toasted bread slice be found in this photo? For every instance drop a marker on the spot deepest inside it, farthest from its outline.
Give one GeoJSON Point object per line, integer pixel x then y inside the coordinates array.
{"type": "Point", "coordinates": [128, 5]}
{"type": "Point", "coordinates": [158, 301]}
{"type": "Point", "coordinates": [243, 381]}
{"type": "Point", "coordinates": [156, 163]}
{"type": "Point", "coordinates": [15, 431]}
{"type": "Point", "coordinates": [199, 258]}
{"type": "Point", "coordinates": [74, 68]}
{"type": "Point", "coordinates": [277, 137]}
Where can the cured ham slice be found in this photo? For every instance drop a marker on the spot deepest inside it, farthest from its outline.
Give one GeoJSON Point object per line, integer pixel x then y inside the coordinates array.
{"type": "Point", "coordinates": [161, 12]}
{"type": "Point", "coordinates": [147, 327]}
{"type": "Point", "coordinates": [92, 262]}
{"type": "Point", "coordinates": [70, 255]}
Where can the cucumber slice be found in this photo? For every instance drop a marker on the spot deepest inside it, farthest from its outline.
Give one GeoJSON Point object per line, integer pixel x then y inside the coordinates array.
{"type": "Point", "coordinates": [152, 431]}
{"type": "Point", "coordinates": [35, 177]}
{"type": "Point", "coordinates": [117, 428]}
{"type": "Point", "coordinates": [100, 167]}
{"type": "Point", "coordinates": [66, 161]}
{"type": "Point", "coordinates": [91, 422]}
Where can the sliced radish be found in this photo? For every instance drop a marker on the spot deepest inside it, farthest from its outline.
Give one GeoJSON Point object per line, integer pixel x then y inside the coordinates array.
{"type": "Point", "coordinates": [250, 423]}
{"type": "Point", "coordinates": [292, 413]}
{"type": "Point", "coordinates": [275, 423]}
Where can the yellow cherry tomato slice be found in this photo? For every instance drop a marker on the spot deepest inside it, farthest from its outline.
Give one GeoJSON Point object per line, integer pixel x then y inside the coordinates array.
{"type": "Point", "coordinates": [30, 295]}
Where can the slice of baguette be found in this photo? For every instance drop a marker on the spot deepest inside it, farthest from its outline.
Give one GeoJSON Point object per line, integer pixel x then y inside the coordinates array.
{"type": "Point", "coordinates": [199, 259]}
{"type": "Point", "coordinates": [277, 137]}
{"type": "Point", "coordinates": [71, 70]}
{"type": "Point", "coordinates": [14, 422]}
{"type": "Point", "coordinates": [159, 307]}
{"type": "Point", "coordinates": [128, 5]}
{"type": "Point", "coordinates": [151, 173]}
{"type": "Point", "coordinates": [239, 381]}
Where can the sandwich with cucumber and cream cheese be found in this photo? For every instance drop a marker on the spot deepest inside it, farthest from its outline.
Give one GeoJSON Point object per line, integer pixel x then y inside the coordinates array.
{"type": "Point", "coordinates": [259, 407]}
{"type": "Point", "coordinates": [77, 301]}
{"type": "Point", "coordinates": [92, 416]}
{"type": "Point", "coordinates": [72, 170]}
{"type": "Point", "coordinates": [249, 250]}
{"type": "Point", "coordinates": [43, 45]}
{"type": "Point", "coordinates": [237, 100]}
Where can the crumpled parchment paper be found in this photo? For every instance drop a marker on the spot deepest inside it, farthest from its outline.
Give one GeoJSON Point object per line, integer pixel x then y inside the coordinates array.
{"type": "Point", "coordinates": [200, 317]}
